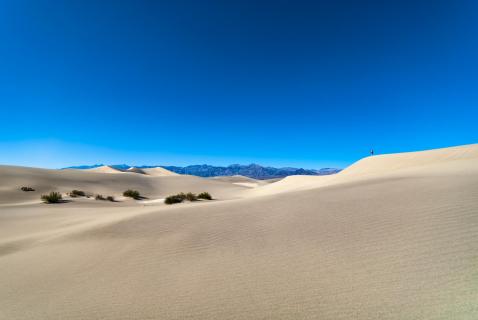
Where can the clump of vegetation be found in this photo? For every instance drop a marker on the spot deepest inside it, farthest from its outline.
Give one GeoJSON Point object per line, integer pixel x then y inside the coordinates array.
{"type": "Point", "coordinates": [205, 196]}
{"type": "Point", "coordinates": [26, 189]}
{"type": "Point", "coordinates": [191, 196]}
{"type": "Point", "coordinates": [180, 197]}
{"type": "Point", "coordinates": [101, 197]}
{"type": "Point", "coordinates": [52, 197]}
{"type": "Point", "coordinates": [177, 198]}
{"type": "Point", "coordinates": [77, 193]}
{"type": "Point", "coordinates": [132, 194]}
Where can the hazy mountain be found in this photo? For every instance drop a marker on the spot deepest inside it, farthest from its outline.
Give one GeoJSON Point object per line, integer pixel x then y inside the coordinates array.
{"type": "Point", "coordinates": [252, 170]}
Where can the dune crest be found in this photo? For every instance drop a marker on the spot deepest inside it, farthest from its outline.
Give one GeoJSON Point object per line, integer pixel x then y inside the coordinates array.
{"type": "Point", "coordinates": [391, 163]}
{"type": "Point", "coordinates": [104, 169]}
{"type": "Point", "coordinates": [159, 172]}
{"type": "Point", "coordinates": [380, 166]}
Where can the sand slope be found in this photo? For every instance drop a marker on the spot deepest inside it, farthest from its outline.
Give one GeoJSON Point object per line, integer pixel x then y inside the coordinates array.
{"type": "Point", "coordinates": [382, 243]}
{"type": "Point", "coordinates": [243, 181]}
{"type": "Point", "coordinates": [409, 163]}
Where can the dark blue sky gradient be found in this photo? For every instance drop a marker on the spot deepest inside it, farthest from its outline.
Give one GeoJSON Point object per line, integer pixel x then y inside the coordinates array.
{"type": "Point", "coordinates": [299, 83]}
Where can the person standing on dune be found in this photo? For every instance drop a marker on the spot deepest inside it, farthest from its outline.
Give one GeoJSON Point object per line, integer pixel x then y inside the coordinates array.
{"type": "Point", "coordinates": [371, 152]}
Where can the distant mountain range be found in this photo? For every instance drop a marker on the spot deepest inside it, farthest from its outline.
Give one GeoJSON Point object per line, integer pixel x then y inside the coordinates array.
{"type": "Point", "coordinates": [252, 170]}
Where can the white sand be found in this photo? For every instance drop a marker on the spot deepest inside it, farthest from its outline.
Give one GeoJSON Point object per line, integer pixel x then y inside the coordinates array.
{"type": "Point", "coordinates": [159, 172]}
{"type": "Point", "coordinates": [391, 237]}
{"type": "Point", "coordinates": [105, 169]}
{"type": "Point", "coordinates": [244, 181]}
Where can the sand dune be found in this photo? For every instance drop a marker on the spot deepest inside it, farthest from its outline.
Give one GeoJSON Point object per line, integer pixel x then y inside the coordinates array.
{"type": "Point", "coordinates": [391, 237]}
{"type": "Point", "coordinates": [44, 180]}
{"type": "Point", "coordinates": [159, 172]}
{"type": "Point", "coordinates": [234, 179]}
{"type": "Point", "coordinates": [392, 163]}
{"type": "Point", "coordinates": [155, 172]}
{"type": "Point", "coordinates": [243, 181]}
{"type": "Point", "coordinates": [104, 169]}
{"type": "Point", "coordinates": [379, 166]}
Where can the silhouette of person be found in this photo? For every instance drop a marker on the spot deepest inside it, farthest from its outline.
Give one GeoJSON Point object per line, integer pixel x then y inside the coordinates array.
{"type": "Point", "coordinates": [371, 152]}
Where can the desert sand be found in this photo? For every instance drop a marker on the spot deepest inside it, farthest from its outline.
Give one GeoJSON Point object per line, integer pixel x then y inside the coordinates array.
{"type": "Point", "coordinates": [244, 181]}
{"type": "Point", "coordinates": [104, 169]}
{"type": "Point", "coordinates": [158, 172]}
{"type": "Point", "coordinates": [391, 237]}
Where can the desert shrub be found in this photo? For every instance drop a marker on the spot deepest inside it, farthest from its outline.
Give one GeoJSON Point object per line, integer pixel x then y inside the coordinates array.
{"type": "Point", "coordinates": [132, 194]}
{"type": "Point", "coordinates": [191, 196]}
{"type": "Point", "coordinates": [110, 198]}
{"type": "Point", "coordinates": [52, 197]}
{"type": "Point", "coordinates": [177, 198]}
{"type": "Point", "coordinates": [180, 197]}
{"type": "Point", "coordinates": [26, 189]}
{"type": "Point", "coordinates": [99, 197]}
{"type": "Point", "coordinates": [77, 193]}
{"type": "Point", "coordinates": [205, 196]}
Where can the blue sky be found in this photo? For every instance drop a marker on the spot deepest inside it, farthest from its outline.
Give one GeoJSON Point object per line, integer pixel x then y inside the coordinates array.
{"type": "Point", "coordinates": [284, 83]}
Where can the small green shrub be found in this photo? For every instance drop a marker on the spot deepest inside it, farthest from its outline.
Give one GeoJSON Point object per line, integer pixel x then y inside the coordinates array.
{"type": "Point", "coordinates": [52, 197]}
{"type": "Point", "coordinates": [191, 196]}
{"type": "Point", "coordinates": [205, 196]}
{"type": "Point", "coordinates": [173, 199]}
{"type": "Point", "coordinates": [132, 194]}
{"type": "Point", "coordinates": [180, 197]}
{"type": "Point", "coordinates": [110, 198]}
{"type": "Point", "coordinates": [77, 193]}
{"type": "Point", "coordinates": [99, 197]}
{"type": "Point", "coordinates": [26, 189]}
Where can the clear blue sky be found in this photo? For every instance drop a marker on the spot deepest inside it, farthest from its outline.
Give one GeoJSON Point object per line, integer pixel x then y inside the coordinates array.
{"type": "Point", "coordinates": [285, 83]}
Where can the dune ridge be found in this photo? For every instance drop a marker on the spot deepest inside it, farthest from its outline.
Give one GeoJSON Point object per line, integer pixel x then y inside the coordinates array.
{"type": "Point", "coordinates": [104, 169]}
{"type": "Point", "coordinates": [159, 172]}
{"type": "Point", "coordinates": [380, 166]}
